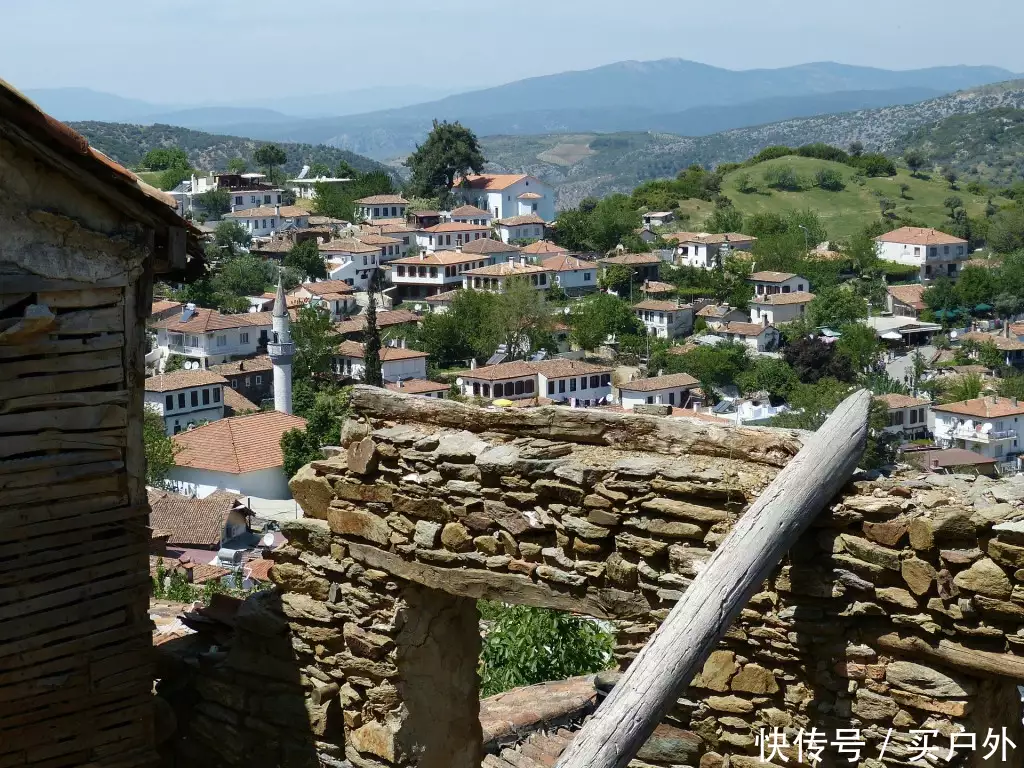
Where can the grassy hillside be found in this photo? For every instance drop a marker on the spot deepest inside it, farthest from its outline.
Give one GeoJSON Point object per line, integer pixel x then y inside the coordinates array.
{"type": "Point", "coordinates": [987, 146]}
{"type": "Point", "coordinates": [208, 151]}
{"type": "Point", "coordinates": [590, 164]}
{"type": "Point", "coordinates": [843, 212]}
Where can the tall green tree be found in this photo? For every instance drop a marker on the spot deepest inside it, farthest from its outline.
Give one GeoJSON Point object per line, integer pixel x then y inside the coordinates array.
{"type": "Point", "coordinates": [159, 448]}
{"type": "Point", "coordinates": [164, 158]}
{"type": "Point", "coordinates": [319, 170]}
{"type": "Point", "coordinates": [315, 343]}
{"type": "Point", "coordinates": [373, 371]}
{"type": "Point", "coordinates": [306, 258]}
{"type": "Point", "coordinates": [245, 275]}
{"type": "Point", "coordinates": [270, 157]}
{"type": "Point", "coordinates": [976, 285]}
{"type": "Point", "coordinates": [523, 317]}
{"type": "Point", "coordinates": [324, 415]}
{"type": "Point", "coordinates": [941, 296]}
{"type": "Point", "coordinates": [595, 318]}
{"type": "Point", "coordinates": [450, 151]}
{"type": "Point", "coordinates": [836, 306]}
{"type": "Point", "coordinates": [467, 330]}
{"type": "Point", "coordinates": [915, 161]}
{"type": "Point", "coordinates": [236, 165]}
{"type": "Point", "coordinates": [231, 237]}
{"type": "Point", "coordinates": [216, 202]}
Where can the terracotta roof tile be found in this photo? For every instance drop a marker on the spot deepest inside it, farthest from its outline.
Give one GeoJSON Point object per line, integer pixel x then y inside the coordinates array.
{"type": "Point", "coordinates": [505, 268]}
{"type": "Point", "coordinates": [164, 305]}
{"type": "Point", "coordinates": [191, 522]}
{"type": "Point", "coordinates": [919, 236]}
{"type": "Point", "coordinates": [383, 200]}
{"type": "Point", "coordinates": [490, 181]}
{"type": "Point", "coordinates": [237, 402]}
{"type": "Point", "coordinates": [384, 320]}
{"type": "Point", "coordinates": [540, 247]}
{"type": "Point", "coordinates": [770, 277]}
{"type": "Point", "coordinates": [417, 386]}
{"type": "Point", "coordinates": [258, 569]}
{"type": "Point", "coordinates": [371, 239]}
{"type": "Point", "coordinates": [207, 320]}
{"type": "Point", "coordinates": [557, 368]}
{"type": "Point", "coordinates": [248, 365]}
{"type": "Point", "coordinates": [895, 400]}
{"type": "Point", "coordinates": [743, 329]}
{"type": "Point", "coordinates": [322, 287]}
{"type": "Point", "coordinates": [439, 258]}
{"type": "Point", "coordinates": [440, 298]}
{"type": "Point", "coordinates": [661, 382]}
{"type": "Point", "coordinates": [908, 294]}
{"type": "Point", "coordinates": [237, 444]}
{"type": "Point", "coordinates": [168, 382]}
{"type": "Point", "coordinates": [983, 407]}
{"type": "Point", "coordinates": [530, 196]}
{"type": "Point", "coordinates": [781, 299]}
{"type": "Point", "coordinates": [706, 238]}
{"type": "Point", "coordinates": [456, 226]}
{"type": "Point", "coordinates": [655, 286]}
{"type": "Point", "coordinates": [348, 245]}
{"type": "Point", "coordinates": [563, 262]}
{"type": "Point", "coordinates": [654, 305]}
{"type": "Point", "coordinates": [632, 259]}
{"type": "Point", "coordinates": [286, 212]}
{"type": "Point", "coordinates": [486, 245]}
{"type": "Point", "coordinates": [464, 211]}
{"type": "Point", "coordinates": [1002, 343]}
{"type": "Point", "coordinates": [355, 349]}
{"type": "Point", "coordinates": [518, 221]}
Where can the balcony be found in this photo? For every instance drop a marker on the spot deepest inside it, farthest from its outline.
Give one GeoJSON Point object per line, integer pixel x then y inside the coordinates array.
{"type": "Point", "coordinates": [183, 349]}
{"type": "Point", "coordinates": [978, 436]}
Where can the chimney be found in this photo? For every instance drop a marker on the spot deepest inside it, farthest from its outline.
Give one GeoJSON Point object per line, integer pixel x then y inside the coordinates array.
{"type": "Point", "coordinates": [764, 317]}
{"type": "Point", "coordinates": [277, 210]}
{"type": "Point", "coordinates": [232, 207]}
{"type": "Point", "coordinates": [399, 383]}
{"type": "Point", "coordinates": [522, 259]}
{"type": "Point", "coordinates": [472, 364]}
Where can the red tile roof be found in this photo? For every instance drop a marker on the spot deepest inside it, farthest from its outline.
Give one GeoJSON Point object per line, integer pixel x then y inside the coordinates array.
{"type": "Point", "coordinates": [983, 407]}
{"type": "Point", "coordinates": [285, 212]}
{"type": "Point", "coordinates": [660, 306]}
{"type": "Point", "coordinates": [238, 403]}
{"type": "Point", "coordinates": [919, 236]}
{"type": "Point", "coordinates": [357, 350]}
{"type": "Point", "coordinates": [237, 444]}
{"type": "Point", "coordinates": [168, 382]}
{"type": "Point", "coordinates": [383, 200]}
{"type": "Point", "coordinates": [384, 320]}
{"type": "Point", "coordinates": [908, 294]}
{"type": "Point", "coordinates": [743, 329]}
{"type": "Point", "coordinates": [632, 259]}
{"type": "Point", "coordinates": [440, 258]}
{"type": "Point", "coordinates": [518, 221]}
{"type": "Point", "coordinates": [207, 320]}
{"type": "Point", "coordinates": [552, 369]}
{"type": "Point", "coordinates": [661, 382]}
{"type": "Point", "coordinates": [348, 245]}
{"type": "Point", "coordinates": [490, 181]}
{"type": "Point", "coordinates": [324, 287]}
{"type": "Point", "coordinates": [258, 569]}
{"type": "Point", "coordinates": [770, 277]}
{"type": "Point", "coordinates": [781, 299]}
{"type": "Point", "coordinates": [655, 286]}
{"type": "Point", "coordinates": [540, 247]}
{"type": "Point", "coordinates": [486, 245]}
{"type": "Point", "coordinates": [456, 226]}
{"type": "Point", "coordinates": [248, 365]}
{"type": "Point", "coordinates": [504, 269]}
{"type": "Point", "coordinates": [417, 387]}
{"type": "Point", "coordinates": [465, 211]}
{"type": "Point", "coordinates": [191, 522]}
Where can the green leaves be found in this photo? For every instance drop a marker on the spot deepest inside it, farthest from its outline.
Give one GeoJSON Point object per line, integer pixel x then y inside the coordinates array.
{"type": "Point", "coordinates": [160, 449]}
{"type": "Point", "coordinates": [524, 646]}
{"type": "Point", "coordinates": [451, 150]}
{"type": "Point", "coordinates": [305, 257]}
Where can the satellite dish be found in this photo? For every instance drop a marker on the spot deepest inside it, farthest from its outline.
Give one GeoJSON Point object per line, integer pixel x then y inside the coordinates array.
{"type": "Point", "coordinates": [459, 382]}
{"type": "Point", "coordinates": [267, 540]}
{"type": "Point", "coordinates": [953, 334]}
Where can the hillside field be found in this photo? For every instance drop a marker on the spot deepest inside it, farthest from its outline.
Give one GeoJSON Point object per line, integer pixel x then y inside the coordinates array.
{"type": "Point", "coordinates": [846, 211]}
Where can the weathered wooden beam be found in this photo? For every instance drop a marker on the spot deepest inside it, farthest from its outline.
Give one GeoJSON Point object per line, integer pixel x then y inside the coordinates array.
{"type": "Point", "coordinates": [984, 663]}
{"type": "Point", "coordinates": [676, 651]}
{"type": "Point", "coordinates": [676, 437]}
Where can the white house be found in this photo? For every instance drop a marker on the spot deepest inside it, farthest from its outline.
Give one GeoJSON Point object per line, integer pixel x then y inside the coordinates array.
{"type": "Point", "coordinates": [470, 214]}
{"type": "Point", "coordinates": [768, 283]}
{"type": "Point", "coordinates": [305, 189]}
{"type": "Point", "coordinates": [779, 308]}
{"type": "Point", "coordinates": [760, 338]}
{"type": "Point", "coordinates": [337, 295]}
{"type": "Point", "coordinates": [987, 425]}
{"type": "Point", "coordinates": [645, 266]}
{"type": "Point", "coordinates": [574, 275]}
{"type": "Point", "coordinates": [241, 454]}
{"type": "Point", "coordinates": [493, 278]}
{"type": "Point", "coordinates": [541, 249]}
{"type": "Point", "coordinates": [559, 380]}
{"type": "Point", "coordinates": [210, 337]}
{"type": "Point", "coordinates": [401, 231]}
{"type": "Point", "coordinates": [658, 218]}
{"type": "Point", "coordinates": [265, 221]}
{"type": "Point", "coordinates": [420, 387]}
{"type": "Point", "coordinates": [716, 314]}
{"type": "Point", "coordinates": [665, 319]}
{"type": "Point", "coordinates": [707, 251]}
{"type": "Point", "coordinates": [527, 227]}
{"type": "Point", "coordinates": [396, 363]}
{"type": "Point", "coordinates": [673, 389]}
{"type": "Point", "coordinates": [186, 398]}
{"type": "Point", "coordinates": [905, 300]}
{"type": "Point", "coordinates": [249, 199]}
{"type": "Point", "coordinates": [907, 415]}
{"type": "Point", "coordinates": [350, 261]}
{"type": "Point", "coordinates": [391, 247]}
{"type": "Point", "coordinates": [451, 235]}
{"type": "Point", "coordinates": [381, 207]}
{"type": "Point", "coordinates": [426, 274]}
{"type": "Point", "coordinates": [508, 195]}
{"type": "Point", "coordinates": [934, 253]}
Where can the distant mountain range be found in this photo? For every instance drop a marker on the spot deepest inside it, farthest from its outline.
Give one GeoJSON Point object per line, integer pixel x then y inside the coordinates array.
{"type": "Point", "coordinates": [670, 95]}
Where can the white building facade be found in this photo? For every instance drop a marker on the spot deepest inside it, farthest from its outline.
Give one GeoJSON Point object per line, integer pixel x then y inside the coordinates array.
{"type": "Point", "coordinates": [563, 381]}
{"type": "Point", "coordinates": [665, 319]}
{"type": "Point", "coordinates": [397, 364]}
{"type": "Point", "coordinates": [935, 253]}
{"type": "Point", "coordinates": [508, 195]}
{"type": "Point", "coordinates": [209, 337]}
{"type": "Point", "coordinates": [986, 425]}
{"type": "Point", "coordinates": [186, 399]}
{"type": "Point", "coordinates": [673, 390]}
{"type": "Point", "coordinates": [779, 308]}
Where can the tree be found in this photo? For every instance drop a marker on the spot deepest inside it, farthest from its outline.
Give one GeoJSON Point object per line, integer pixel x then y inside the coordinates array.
{"type": "Point", "coordinates": [1008, 305]}
{"type": "Point", "coordinates": [856, 148]}
{"type": "Point", "coordinates": [372, 373]}
{"type": "Point", "coordinates": [245, 275]}
{"type": "Point", "coordinates": [618, 278]}
{"type": "Point", "coordinates": [745, 184]}
{"type": "Point", "coordinates": [812, 403]}
{"type": "Point", "coordinates": [237, 165]}
{"type": "Point", "coordinates": [904, 188]}
{"type": "Point", "coordinates": [324, 415]}
{"type": "Point", "coordinates": [232, 237]}
{"type": "Point", "coordinates": [835, 307]}
{"type": "Point", "coordinates": [966, 387]}
{"type": "Point", "coordinates": [711, 366]}
{"type": "Point", "coordinates": [305, 257]}
{"type": "Point", "coordinates": [829, 179]}
{"type": "Point", "coordinates": [768, 374]}
{"type": "Point", "coordinates": [941, 296]}
{"type": "Point", "coordinates": [887, 207]}
{"type": "Point", "coordinates": [160, 449]}
{"type": "Point", "coordinates": [860, 344]}
{"type": "Point", "coordinates": [270, 156]}
{"type": "Point", "coordinates": [315, 342]}
{"type": "Point", "coordinates": [783, 177]}
{"type": "Point", "coordinates": [345, 171]}
{"type": "Point", "coordinates": [164, 158]}
{"type": "Point", "coordinates": [318, 170]}
{"type": "Point", "coordinates": [724, 218]}
{"type": "Point", "coordinates": [450, 151]}
{"type": "Point", "coordinates": [1006, 230]}
{"type": "Point", "coordinates": [525, 646]}
{"type": "Point", "coordinates": [467, 330]}
{"type": "Point", "coordinates": [595, 318]}
{"type": "Point", "coordinates": [172, 177]}
{"type": "Point", "coordinates": [950, 176]}
{"type": "Point", "coordinates": [812, 359]}
{"type": "Point", "coordinates": [976, 285]}
{"type": "Point", "coordinates": [216, 202]}
{"type": "Point", "coordinates": [953, 203]}
{"type": "Point", "coordinates": [915, 161]}
{"type": "Point", "coordinates": [523, 318]}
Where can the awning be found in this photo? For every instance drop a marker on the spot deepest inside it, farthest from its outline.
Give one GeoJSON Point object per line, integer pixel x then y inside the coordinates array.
{"type": "Point", "coordinates": [893, 335]}
{"type": "Point", "coordinates": [983, 308]}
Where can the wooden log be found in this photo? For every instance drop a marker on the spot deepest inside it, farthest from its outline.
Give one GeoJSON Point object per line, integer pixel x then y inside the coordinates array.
{"type": "Point", "coordinates": [676, 651]}
{"type": "Point", "coordinates": [321, 694]}
{"type": "Point", "coordinates": [66, 419]}
{"type": "Point", "coordinates": [52, 475]}
{"type": "Point", "coordinates": [56, 460]}
{"type": "Point", "coordinates": [86, 361]}
{"type": "Point", "coordinates": [61, 441]}
{"type": "Point", "coordinates": [38, 525]}
{"type": "Point", "coordinates": [64, 400]}
{"type": "Point", "coordinates": [650, 434]}
{"type": "Point", "coordinates": [87, 297]}
{"type": "Point", "coordinates": [62, 346]}
{"type": "Point", "coordinates": [106, 320]}
{"type": "Point", "coordinates": [62, 382]}
{"type": "Point", "coordinates": [65, 491]}
{"type": "Point", "coordinates": [984, 663]}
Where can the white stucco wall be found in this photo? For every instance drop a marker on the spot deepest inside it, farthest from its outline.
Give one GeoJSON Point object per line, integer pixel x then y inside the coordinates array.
{"type": "Point", "coordinates": [265, 483]}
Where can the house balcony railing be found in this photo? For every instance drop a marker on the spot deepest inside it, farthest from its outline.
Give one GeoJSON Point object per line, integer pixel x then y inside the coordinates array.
{"type": "Point", "coordinates": [184, 349]}
{"type": "Point", "coordinates": [1008, 467]}
{"type": "Point", "coordinates": [984, 437]}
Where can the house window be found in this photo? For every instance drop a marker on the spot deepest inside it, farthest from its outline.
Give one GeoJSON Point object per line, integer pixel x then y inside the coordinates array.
{"type": "Point", "coordinates": [586, 277]}
{"type": "Point", "coordinates": [519, 388]}
{"type": "Point", "coordinates": [551, 387]}
{"type": "Point", "coordinates": [945, 249]}
{"type": "Point", "coordinates": [487, 390]}
{"type": "Point", "coordinates": [376, 212]}
{"type": "Point", "coordinates": [248, 381]}
{"type": "Point", "coordinates": [234, 383]}
{"type": "Point", "coordinates": [216, 395]}
{"type": "Point", "coordinates": [572, 385]}
{"type": "Point", "coordinates": [278, 199]}
{"type": "Point", "coordinates": [253, 199]}
{"type": "Point", "coordinates": [917, 251]}
{"type": "Point", "coordinates": [181, 399]}
{"type": "Point", "coordinates": [239, 200]}
{"type": "Point", "coordinates": [959, 250]}
{"type": "Point", "coordinates": [259, 380]}
{"type": "Point", "coordinates": [401, 271]}
{"type": "Point", "coordinates": [266, 198]}
{"type": "Point", "coordinates": [594, 382]}
{"type": "Point", "coordinates": [222, 340]}
{"type": "Point", "coordinates": [671, 398]}
{"type": "Point", "coordinates": [606, 379]}
{"type": "Point", "coordinates": [244, 338]}
{"type": "Point", "coordinates": [177, 427]}
{"type": "Point", "coordinates": [650, 399]}
{"type": "Point", "coordinates": [194, 398]}
{"type": "Point", "coordinates": [561, 386]}
{"type": "Point", "coordinates": [169, 403]}
{"type": "Point", "coordinates": [272, 223]}
{"type": "Point", "coordinates": [913, 417]}
{"type": "Point", "coordinates": [528, 386]}
{"type": "Point", "coordinates": [499, 390]}
{"type": "Point", "coordinates": [206, 397]}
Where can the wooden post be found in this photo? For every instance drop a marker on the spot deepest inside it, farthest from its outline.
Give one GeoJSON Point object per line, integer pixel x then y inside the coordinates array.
{"type": "Point", "coordinates": [681, 645]}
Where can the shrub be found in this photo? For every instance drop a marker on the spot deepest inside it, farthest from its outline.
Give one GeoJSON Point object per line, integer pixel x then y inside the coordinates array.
{"type": "Point", "coordinates": [782, 177]}
{"type": "Point", "coordinates": [829, 179]}
{"type": "Point", "coordinates": [771, 153]}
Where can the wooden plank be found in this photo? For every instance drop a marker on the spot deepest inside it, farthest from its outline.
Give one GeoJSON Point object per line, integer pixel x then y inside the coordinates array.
{"type": "Point", "coordinates": [41, 513]}
{"type": "Point", "coordinates": [680, 646]}
{"type": "Point", "coordinates": [120, 636]}
{"type": "Point", "coordinates": [63, 382]}
{"type": "Point", "coordinates": [109, 567]}
{"type": "Point", "coordinates": [80, 594]}
{"type": "Point", "coordinates": [63, 346]}
{"type": "Point", "coordinates": [8, 300]}
{"type": "Point", "coordinates": [70, 458]}
{"type": "Point", "coordinates": [99, 440]}
{"type": "Point", "coordinates": [36, 283]}
{"type": "Point", "coordinates": [85, 361]}
{"type": "Point", "coordinates": [64, 400]}
{"type": "Point", "coordinates": [131, 516]}
{"type": "Point", "coordinates": [20, 551]}
{"type": "Point", "coordinates": [66, 419]}
{"type": "Point", "coordinates": [12, 720]}
{"type": "Point", "coordinates": [66, 491]}
{"type": "Point", "coordinates": [73, 630]}
{"type": "Point", "coordinates": [135, 380]}
{"type": "Point", "coordinates": [106, 320]}
{"type": "Point", "coordinates": [51, 475]}
{"type": "Point", "coordinates": [87, 297]}
{"type": "Point", "coordinates": [984, 663]}
{"type": "Point", "coordinates": [129, 557]}
{"type": "Point", "coordinates": [648, 434]}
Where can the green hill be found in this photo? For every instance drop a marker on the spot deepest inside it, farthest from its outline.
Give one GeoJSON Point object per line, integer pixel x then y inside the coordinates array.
{"type": "Point", "coordinates": [843, 212]}
{"type": "Point", "coordinates": [128, 144]}
{"type": "Point", "coordinates": [986, 146]}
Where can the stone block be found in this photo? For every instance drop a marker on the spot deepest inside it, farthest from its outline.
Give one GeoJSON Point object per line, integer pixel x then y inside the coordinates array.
{"type": "Point", "coordinates": [926, 681]}
{"type": "Point", "coordinates": [873, 706]}
{"type": "Point", "coordinates": [642, 546]}
{"type": "Point", "coordinates": [560, 491]}
{"type": "Point", "coordinates": [374, 739]}
{"type": "Point", "coordinates": [581, 527]}
{"type": "Point", "coordinates": [1006, 554]}
{"type": "Point", "coordinates": [456, 537]}
{"type": "Point", "coordinates": [671, 745]}
{"type": "Point", "coordinates": [620, 571]}
{"type": "Point", "coordinates": [362, 456]}
{"type": "Point", "coordinates": [918, 574]}
{"type": "Point", "coordinates": [754, 678]}
{"type": "Point", "coordinates": [363, 525]}
{"type": "Point", "coordinates": [733, 704]}
{"type": "Point", "coordinates": [718, 670]}
{"type": "Point", "coordinates": [685, 510]}
{"type": "Point", "coordinates": [296, 578]}
{"type": "Point", "coordinates": [889, 534]}
{"type": "Point", "coordinates": [312, 492]}
{"type": "Point", "coordinates": [864, 550]}
{"type": "Point", "coordinates": [557, 576]}
{"type": "Point", "coordinates": [985, 577]}
{"type": "Point", "coordinates": [667, 528]}
{"type": "Point", "coordinates": [350, 491]}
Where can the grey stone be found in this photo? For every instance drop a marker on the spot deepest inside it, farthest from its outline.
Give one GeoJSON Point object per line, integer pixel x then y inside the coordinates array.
{"type": "Point", "coordinates": [460, 447]}
{"type": "Point", "coordinates": [986, 578]}
{"type": "Point", "coordinates": [582, 528]}
{"type": "Point", "coordinates": [547, 573]}
{"type": "Point", "coordinates": [427, 534]}
{"type": "Point", "coordinates": [927, 681]}
{"type": "Point", "coordinates": [498, 459]}
{"type": "Point", "coordinates": [872, 706]}
{"type": "Point", "coordinates": [637, 467]}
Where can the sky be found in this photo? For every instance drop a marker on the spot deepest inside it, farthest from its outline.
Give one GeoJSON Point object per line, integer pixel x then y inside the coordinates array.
{"type": "Point", "coordinates": [210, 51]}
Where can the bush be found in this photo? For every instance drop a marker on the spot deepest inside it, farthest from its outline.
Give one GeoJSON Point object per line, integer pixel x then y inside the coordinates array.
{"type": "Point", "coordinates": [874, 164]}
{"type": "Point", "coordinates": [782, 177]}
{"type": "Point", "coordinates": [771, 153]}
{"type": "Point", "coordinates": [829, 179]}
{"type": "Point", "coordinates": [823, 151]}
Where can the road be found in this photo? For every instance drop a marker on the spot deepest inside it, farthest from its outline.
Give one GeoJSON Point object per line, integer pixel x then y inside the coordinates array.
{"type": "Point", "coordinates": [903, 366]}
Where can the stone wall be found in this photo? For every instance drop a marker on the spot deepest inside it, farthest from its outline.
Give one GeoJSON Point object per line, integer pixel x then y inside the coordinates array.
{"type": "Point", "coordinates": [901, 608]}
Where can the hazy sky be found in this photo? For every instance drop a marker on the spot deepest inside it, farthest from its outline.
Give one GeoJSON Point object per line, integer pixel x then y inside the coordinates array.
{"type": "Point", "coordinates": [234, 50]}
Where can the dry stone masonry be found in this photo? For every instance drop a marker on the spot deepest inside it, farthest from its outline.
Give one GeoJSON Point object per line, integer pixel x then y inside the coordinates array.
{"type": "Point", "coordinates": [902, 608]}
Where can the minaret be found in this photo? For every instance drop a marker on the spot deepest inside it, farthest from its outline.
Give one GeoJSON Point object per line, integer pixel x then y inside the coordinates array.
{"type": "Point", "coordinates": [281, 351]}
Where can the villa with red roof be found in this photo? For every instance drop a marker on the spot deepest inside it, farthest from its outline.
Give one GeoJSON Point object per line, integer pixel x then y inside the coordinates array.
{"type": "Point", "coordinates": [507, 195]}
{"type": "Point", "coordinates": [934, 252]}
